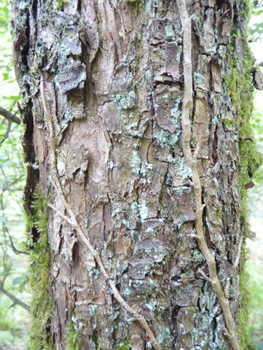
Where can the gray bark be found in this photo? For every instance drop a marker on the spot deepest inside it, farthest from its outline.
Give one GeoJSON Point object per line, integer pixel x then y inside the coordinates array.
{"type": "Point", "coordinates": [113, 75]}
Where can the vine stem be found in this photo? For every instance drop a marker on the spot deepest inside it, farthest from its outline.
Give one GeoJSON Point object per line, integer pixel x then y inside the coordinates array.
{"type": "Point", "coordinates": [191, 161]}
{"type": "Point", "coordinates": [74, 223]}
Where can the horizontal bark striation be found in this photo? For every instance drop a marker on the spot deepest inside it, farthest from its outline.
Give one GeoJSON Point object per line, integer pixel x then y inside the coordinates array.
{"type": "Point", "coordinates": [114, 88]}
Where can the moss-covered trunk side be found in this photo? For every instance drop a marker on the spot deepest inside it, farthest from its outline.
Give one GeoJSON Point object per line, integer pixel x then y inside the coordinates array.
{"type": "Point", "coordinates": [113, 73]}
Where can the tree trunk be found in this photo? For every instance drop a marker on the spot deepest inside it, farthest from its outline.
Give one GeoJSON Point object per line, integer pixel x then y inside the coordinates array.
{"type": "Point", "coordinates": [104, 101]}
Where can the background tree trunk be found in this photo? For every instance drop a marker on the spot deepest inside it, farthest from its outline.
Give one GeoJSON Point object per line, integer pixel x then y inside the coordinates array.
{"type": "Point", "coordinates": [113, 84]}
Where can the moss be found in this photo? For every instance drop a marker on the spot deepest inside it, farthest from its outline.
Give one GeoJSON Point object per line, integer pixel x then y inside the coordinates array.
{"type": "Point", "coordinates": [73, 329]}
{"type": "Point", "coordinates": [96, 340]}
{"type": "Point", "coordinates": [218, 213]}
{"type": "Point", "coordinates": [38, 277]}
{"type": "Point", "coordinates": [228, 122]}
{"type": "Point", "coordinates": [240, 87]}
{"type": "Point", "coordinates": [126, 344]}
{"type": "Point", "coordinates": [59, 4]}
{"type": "Point", "coordinates": [241, 90]}
{"type": "Point", "coordinates": [140, 2]}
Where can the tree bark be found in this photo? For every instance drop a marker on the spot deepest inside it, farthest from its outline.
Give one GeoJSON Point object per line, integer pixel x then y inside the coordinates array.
{"type": "Point", "coordinates": [104, 101]}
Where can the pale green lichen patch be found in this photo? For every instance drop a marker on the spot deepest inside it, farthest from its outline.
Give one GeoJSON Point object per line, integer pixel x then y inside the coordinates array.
{"type": "Point", "coordinates": [135, 207]}
{"type": "Point", "coordinates": [125, 101]}
{"type": "Point", "coordinates": [198, 78]}
{"type": "Point", "coordinates": [184, 171]}
{"type": "Point", "coordinates": [164, 335]}
{"type": "Point", "coordinates": [62, 54]}
{"type": "Point", "coordinates": [169, 32]}
{"type": "Point", "coordinates": [143, 210]}
{"type": "Point", "coordinates": [145, 168]}
{"type": "Point", "coordinates": [164, 138]}
{"type": "Point", "coordinates": [135, 162]}
{"type": "Point", "coordinates": [176, 114]}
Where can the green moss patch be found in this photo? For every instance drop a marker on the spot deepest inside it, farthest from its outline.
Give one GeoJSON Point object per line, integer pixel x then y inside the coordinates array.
{"type": "Point", "coordinates": [73, 328]}
{"type": "Point", "coordinates": [241, 89]}
{"type": "Point", "coordinates": [38, 278]}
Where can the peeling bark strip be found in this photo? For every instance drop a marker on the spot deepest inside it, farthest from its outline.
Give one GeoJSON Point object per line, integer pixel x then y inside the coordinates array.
{"type": "Point", "coordinates": [74, 223]}
{"type": "Point", "coordinates": [191, 161]}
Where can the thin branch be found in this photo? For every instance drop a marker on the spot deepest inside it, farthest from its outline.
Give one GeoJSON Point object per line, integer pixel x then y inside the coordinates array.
{"type": "Point", "coordinates": [191, 162]}
{"type": "Point", "coordinates": [7, 268]}
{"type": "Point", "coordinates": [14, 299]}
{"type": "Point", "coordinates": [204, 276]}
{"type": "Point", "coordinates": [9, 116]}
{"type": "Point", "coordinates": [16, 251]}
{"type": "Point", "coordinates": [10, 184]}
{"type": "Point", "coordinates": [7, 132]}
{"type": "Point", "coordinates": [60, 214]}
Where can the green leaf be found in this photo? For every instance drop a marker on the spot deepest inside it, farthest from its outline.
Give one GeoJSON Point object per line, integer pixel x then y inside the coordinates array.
{"type": "Point", "coordinates": [12, 97]}
{"type": "Point", "coordinates": [259, 345]}
{"type": "Point", "coordinates": [17, 280]}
